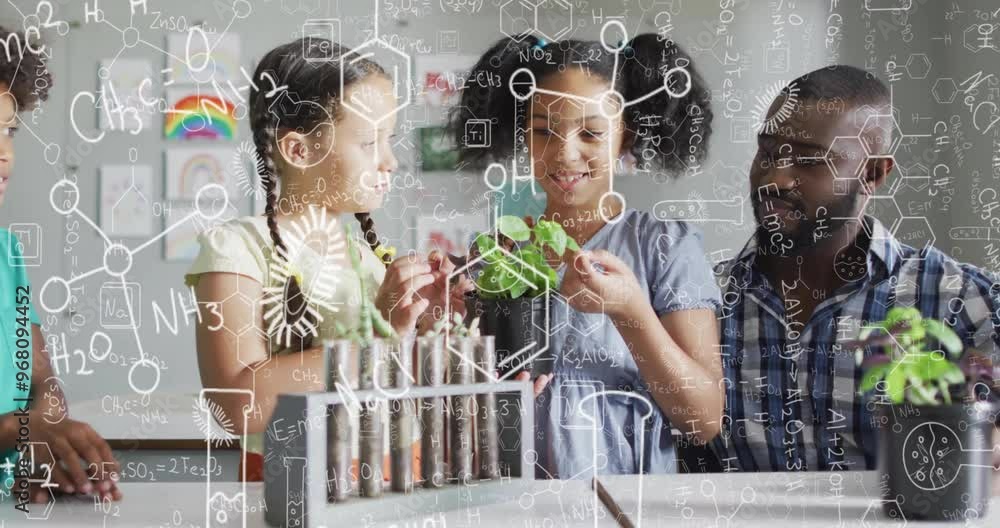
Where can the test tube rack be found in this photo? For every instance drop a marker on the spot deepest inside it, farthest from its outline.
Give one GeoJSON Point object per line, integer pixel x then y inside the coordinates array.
{"type": "Point", "coordinates": [295, 466]}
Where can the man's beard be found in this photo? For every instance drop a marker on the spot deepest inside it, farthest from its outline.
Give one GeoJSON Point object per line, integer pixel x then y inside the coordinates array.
{"type": "Point", "coordinates": [808, 231]}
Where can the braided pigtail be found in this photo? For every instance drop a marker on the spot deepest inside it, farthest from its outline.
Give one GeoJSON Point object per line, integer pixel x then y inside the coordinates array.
{"type": "Point", "coordinates": [294, 300]}
{"type": "Point", "coordinates": [371, 237]}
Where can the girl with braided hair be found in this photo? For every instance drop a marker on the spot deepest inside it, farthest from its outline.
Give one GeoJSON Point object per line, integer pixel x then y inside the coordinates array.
{"type": "Point", "coordinates": [636, 354]}
{"type": "Point", "coordinates": [319, 157]}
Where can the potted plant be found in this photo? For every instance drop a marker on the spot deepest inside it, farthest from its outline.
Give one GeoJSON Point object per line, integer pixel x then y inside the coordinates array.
{"type": "Point", "coordinates": [510, 295]}
{"type": "Point", "coordinates": [937, 414]}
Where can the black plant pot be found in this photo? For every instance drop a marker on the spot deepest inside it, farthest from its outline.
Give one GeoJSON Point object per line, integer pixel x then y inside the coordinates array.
{"type": "Point", "coordinates": [935, 462]}
{"type": "Point", "coordinates": [516, 323]}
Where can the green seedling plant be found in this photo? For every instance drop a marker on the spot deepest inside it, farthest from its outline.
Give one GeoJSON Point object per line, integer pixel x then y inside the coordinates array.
{"type": "Point", "coordinates": [908, 369]}
{"type": "Point", "coordinates": [371, 324]}
{"type": "Point", "coordinates": [503, 277]}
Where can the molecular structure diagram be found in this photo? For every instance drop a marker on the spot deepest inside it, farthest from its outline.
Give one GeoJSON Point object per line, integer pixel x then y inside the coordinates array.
{"type": "Point", "coordinates": [929, 456]}
{"type": "Point", "coordinates": [117, 262]}
{"type": "Point", "coordinates": [397, 64]}
{"type": "Point", "coordinates": [748, 495]}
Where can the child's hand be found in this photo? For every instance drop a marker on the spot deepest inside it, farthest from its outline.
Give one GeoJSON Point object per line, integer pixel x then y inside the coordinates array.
{"type": "Point", "coordinates": [540, 381]}
{"type": "Point", "coordinates": [395, 299]}
{"type": "Point", "coordinates": [611, 283]}
{"type": "Point", "coordinates": [439, 294]}
{"type": "Point", "coordinates": [83, 461]}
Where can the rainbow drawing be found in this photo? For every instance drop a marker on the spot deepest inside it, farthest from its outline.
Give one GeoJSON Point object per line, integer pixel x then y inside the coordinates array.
{"type": "Point", "coordinates": [195, 116]}
{"type": "Point", "coordinates": [191, 168]}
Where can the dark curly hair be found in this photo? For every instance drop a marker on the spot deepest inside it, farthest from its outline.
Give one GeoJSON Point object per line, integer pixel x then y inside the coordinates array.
{"type": "Point", "coordinates": [304, 67]}
{"type": "Point", "coordinates": [23, 72]}
{"type": "Point", "coordinates": [665, 132]}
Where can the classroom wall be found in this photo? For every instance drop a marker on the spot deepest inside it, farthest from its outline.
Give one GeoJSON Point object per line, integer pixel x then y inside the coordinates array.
{"type": "Point", "coordinates": [740, 52]}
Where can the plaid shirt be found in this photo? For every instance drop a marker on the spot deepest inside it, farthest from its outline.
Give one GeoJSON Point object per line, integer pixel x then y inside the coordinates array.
{"type": "Point", "coordinates": [793, 404]}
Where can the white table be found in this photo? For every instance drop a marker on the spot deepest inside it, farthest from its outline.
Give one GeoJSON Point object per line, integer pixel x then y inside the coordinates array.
{"type": "Point", "coordinates": [717, 500]}
{"type": "Point", "coordinates": [182, 505]}
{"type": "Point", "coordinates": [772, 500]}
{"type": "Point", "coordinates": [159, 441]}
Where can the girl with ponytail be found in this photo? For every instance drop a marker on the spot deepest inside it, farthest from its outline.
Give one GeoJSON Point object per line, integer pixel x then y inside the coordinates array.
{"type": "Point", "coordinates": [635, 353]}
{"type": "Point", "coordinates": [270, 288]}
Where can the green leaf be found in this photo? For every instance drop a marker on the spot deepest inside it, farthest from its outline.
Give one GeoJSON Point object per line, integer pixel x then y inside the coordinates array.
{"type": "Point", "coordinates": [486, 282]}
{"type": "Point", "coordinates": [872, 376]}
{"type": "Point", "coordinates": [485, 244]}
{"type": "Point", "coordinates": [936, 369]}
{"type": "Point", "coordinates": [544, 230]}
{"type": "Point", "coordinates": [896, 384]}
{"type": "Point", "coordinates": [944, 335]}
{"type": "Point", "coordinates": [534, 262]}
{"type": "Point", "coordinates": [538, 271]}
{"type": "Point", "coordinates": [518, 288]}
{"type": "Point", "coordinates": [915, 398]}
{"type": "Point", "coordinates": [505, 280]}
{"type": "Point", "coordinates": [571, 244]}
{"type": "Point", "coordinates": [953, 375]}
{"type": "Point", "coordinates": [553, 278]}
{"type": "Point", "coordinates": [900, 313]}
{"type": "Point", "coordinates": [551, 234]}
{"type": "Point", "coordinates": [514, 228]}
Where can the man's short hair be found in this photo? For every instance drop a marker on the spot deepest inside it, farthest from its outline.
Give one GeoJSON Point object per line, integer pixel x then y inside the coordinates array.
{"type": "Point", "coordinates": [847, 83]}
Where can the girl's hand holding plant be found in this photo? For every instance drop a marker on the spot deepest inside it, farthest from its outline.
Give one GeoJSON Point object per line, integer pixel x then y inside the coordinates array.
{"type": "Point", "coordinates": [414, 292]}
{"type": "Point", "coordinates": [395, 299]}
{"type": "Point", "coordinates": [438, 292]}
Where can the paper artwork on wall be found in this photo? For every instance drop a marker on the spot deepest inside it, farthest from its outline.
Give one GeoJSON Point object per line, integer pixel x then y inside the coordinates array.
{"type": "Point", "coordinates": [191, 168]}
{"type": "Point", "coordinates": [440, 77]}
{"type": "Point", "coordinates": [214, 57]}
{"type": "Point", "coordinates": [126, 200]}
{"type": "Point", "coordinates": [193, 115]}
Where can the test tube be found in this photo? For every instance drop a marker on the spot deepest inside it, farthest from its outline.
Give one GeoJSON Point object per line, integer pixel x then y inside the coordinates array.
{"type": "Point", "coordinates": [338, 424]}
{"type": "Point", "coordinates": [430, 353]}
{"type": "Point", "coordinates": [370, 435]}
{"type": "Point", "coordinates": [401, 417]}
{"type": "Point", "coordinates": [486, 413]}
{"type": "Point", "coordinates": [462, 415]}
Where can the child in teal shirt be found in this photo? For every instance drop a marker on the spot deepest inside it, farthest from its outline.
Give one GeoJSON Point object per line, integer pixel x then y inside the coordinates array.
{"type": "Point", "coordinates": [18, 315]}
{"type": "Point", "coordinates": [33, 418]}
